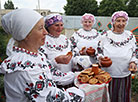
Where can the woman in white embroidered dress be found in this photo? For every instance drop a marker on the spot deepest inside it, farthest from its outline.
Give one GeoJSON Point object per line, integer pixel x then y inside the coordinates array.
{"type": "Point", "coordinates": [120, 45]}
{"type": "Point", "coordinates": [86, 36]}
{"type": "Point", "coordinates": [57, 45]}
{"type": "Point", "coordinates": [28, 75]}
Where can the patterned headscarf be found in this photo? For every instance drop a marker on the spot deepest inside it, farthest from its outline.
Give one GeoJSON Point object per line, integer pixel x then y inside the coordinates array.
{"type": "Point", "coordinates": [119, 14]}
{"type": "Point", "coordinates": [20, 22]}
{"type": "Point", "coordinates": [88, 16]}
{"type": "Point", "coordinates": [52, 18]}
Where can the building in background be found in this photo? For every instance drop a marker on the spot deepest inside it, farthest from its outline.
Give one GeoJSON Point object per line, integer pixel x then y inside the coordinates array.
{"type": "Point", "coordinates": [43, 12]}
{"type": "Point", "coordinates": [72, 23]}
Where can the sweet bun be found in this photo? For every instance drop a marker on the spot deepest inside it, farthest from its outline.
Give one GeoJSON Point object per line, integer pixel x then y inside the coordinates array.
{"type": "Point", "coordinates": [88, 76]}
{"type": "Point", "coordinates": [93, 81]}
{"type": "Point", "coordinates": [69, 54]}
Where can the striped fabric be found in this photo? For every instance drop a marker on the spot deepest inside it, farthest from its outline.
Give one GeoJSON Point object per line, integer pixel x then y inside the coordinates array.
{"type": "Point", "coordinates": [120, 89]}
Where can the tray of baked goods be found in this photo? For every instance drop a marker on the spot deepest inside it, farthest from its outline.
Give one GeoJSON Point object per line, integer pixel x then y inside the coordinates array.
{"type": "Point", "coordinates": [94, 75]}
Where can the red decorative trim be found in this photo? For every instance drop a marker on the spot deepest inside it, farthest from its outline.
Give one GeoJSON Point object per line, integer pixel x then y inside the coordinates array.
{"type": "Point", "coordinates": [100, 23]}
{"type": "Point", "coordinates": [134, 29]}
{"type": "Point", "coordinates": [136, 36]}
{"type": "Point", "coordinates": [108, 24]}
{"type": "Point", "coordinates": [24, 50]}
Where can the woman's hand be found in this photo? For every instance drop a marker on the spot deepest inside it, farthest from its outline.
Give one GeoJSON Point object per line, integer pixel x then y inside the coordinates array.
{"type": "Point", "coordinates": [83, 51]}
{"type": "Point", "coordinates": [63, 59]}
{"type": "Point", "coordinates": [100, 61]}
{"type": "Point", "coordinates": [133, 67]}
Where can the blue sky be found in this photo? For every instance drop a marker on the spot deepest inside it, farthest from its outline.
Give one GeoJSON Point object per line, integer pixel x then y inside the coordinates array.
{"type": "Point", "coordinates": [52, 5]}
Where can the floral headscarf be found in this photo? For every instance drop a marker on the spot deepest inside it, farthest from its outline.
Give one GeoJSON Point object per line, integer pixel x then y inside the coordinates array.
{"type": "Point", "coordinates": [88, 16]}
{"type": "Point", "coordinates": [52, 18]}
{"type": "Point", "coordinates": [119, 14]}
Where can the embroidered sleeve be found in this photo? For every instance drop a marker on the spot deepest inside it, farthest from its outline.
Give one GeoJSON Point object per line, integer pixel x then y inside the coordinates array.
{"type": "Point", "coordinates": [42, 50]}
{"type": "Point", "coordinates": [135, 50]}
{"type": "Point", "coordinates": [59, 77]}
{"type": "Point", "coordinates": [99, 50]}
{"type": "Point", "coordinates": [34, 85]}
{"type": "Point", "coordinates": [46, 91]}
{"type": "Point", "coordinates": [73, 40]}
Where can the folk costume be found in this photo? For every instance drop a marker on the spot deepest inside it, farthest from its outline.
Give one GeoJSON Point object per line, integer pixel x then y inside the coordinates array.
{"type": "Point", "coordinates": [61, 45]}
{"type": "Point", "coordinates": [121, 48]}
{"type": "Point", "coordinates": [86, 38]}
{"type": "Point", "coordinates": [29, 76]}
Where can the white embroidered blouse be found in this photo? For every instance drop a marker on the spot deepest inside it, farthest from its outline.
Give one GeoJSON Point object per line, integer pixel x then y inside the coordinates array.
{"type": "Point", "coordinates": [83, 38]}
{"type": "Point", "coordinates": [121, 48]}
{"type": "Point", "coordinates": [31, 77]}
{"type": "Point", "coordinates": [54, 47]}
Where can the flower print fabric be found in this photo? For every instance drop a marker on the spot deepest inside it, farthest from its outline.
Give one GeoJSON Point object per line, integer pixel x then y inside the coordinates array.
{"type": "Point", "coordinates": [55, 47]}
{"type": "Point", "coordinates": [31, 77]}
{"type": "Point", "coordinates": [122, 45]}
{"type": "Point", "coordinates": [87, 39]}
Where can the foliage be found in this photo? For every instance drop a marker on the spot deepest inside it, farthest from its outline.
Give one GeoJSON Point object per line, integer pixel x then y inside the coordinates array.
{"type": "Point", "coordinates": [132, 8]}
{"type": "Point", "coordinates": [3, 42]}
{"type": "Point", "coordinates": [135, 86]}
{"type": "Point", "coordinates": [2, 95]}
{"type": "Point", "coordinates": [108, 7]}
{"type": "Point", "coordinates": [79, 7]}
{"type": "Point", "coordinates": [9, 5]}
{"type": "Point", "coordinates": [125, 1]}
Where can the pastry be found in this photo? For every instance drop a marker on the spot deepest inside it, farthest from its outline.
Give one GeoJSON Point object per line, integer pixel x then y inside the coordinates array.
{"type": "Point", "coordinates": [85, 79]}
{"type": "Point", "coordinates": [101, 72]}
{"type": "Point", "coordinates": [91, 73]}
{"type": "Point", "coordinates": [69, 54]}
{"type": "Point", "coordinates": [89, 76]}
{"type": "Point", "coordinates": [93, 81]}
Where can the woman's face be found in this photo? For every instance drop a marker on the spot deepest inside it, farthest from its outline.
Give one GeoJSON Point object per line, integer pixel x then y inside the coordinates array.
{"type": "Point", "coordinates": [56, 29]}
{"type": "Point", "coordinates": [120, 24]}
{"type": "Point", "coordinates": [87, 24]}
{"type": "Point", "coordinates": [37, 35]}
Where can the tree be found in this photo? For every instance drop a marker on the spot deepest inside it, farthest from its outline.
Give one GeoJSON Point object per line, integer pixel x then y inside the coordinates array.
{"type": "Point", "coordinates": [132, 8]}
{"type": "Point", "coordinates": [9, 5]}
{"type": "Point", "coordinates": [79, 7]}
{"type": "Point", "coordinates": [108, 7]}
{"type": "Point", "coordinates": [125, 1]}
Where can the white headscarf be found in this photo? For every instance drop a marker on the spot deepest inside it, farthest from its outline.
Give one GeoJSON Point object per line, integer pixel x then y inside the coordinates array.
{"type": "Point", "coordinates": [19, 23]}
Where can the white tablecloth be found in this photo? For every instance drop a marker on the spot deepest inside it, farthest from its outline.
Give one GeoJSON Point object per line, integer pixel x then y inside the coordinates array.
{"type": "Point", "coordinates": [94, 93]}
